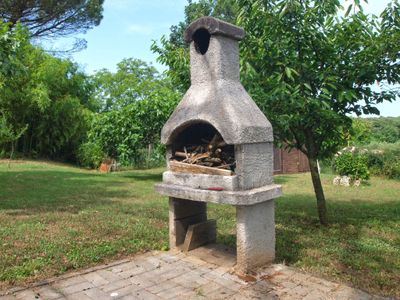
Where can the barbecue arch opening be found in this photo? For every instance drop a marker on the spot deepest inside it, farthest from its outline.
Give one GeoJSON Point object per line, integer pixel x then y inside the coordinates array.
{"type": "Point", "coordinates": [201, 144]}
{"type": "Point", "coordinates": [201, 40]}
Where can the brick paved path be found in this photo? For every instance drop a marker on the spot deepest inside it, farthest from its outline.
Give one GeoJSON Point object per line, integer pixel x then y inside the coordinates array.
{"type": "Point", "coordinates": [204, 274]}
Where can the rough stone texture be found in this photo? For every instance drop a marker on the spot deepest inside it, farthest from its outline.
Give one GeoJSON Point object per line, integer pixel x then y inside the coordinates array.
{"type": "Point", "coordinates": [217, 97]}
{"type": "Point", "coordinates": [248, 197]}
{"type": "Point", "coordinates": [214, 26]}
{"type": "Point", "coordinates": [254, 165]}
{"type": "Point", "coordinates": [204, 274]}
{"type": "Point", "coordinates": [255, 233]}
{"type": "Point", "coordinates": [219, 64]}
{"type": "Point", "coordinates": [183, 209]}
{"type": "Point", "coordinates": [201, 181]}
{"type": "Point", "coordinates": [183, 213]}
{"type": "Point", "coordinates": [168, 155]}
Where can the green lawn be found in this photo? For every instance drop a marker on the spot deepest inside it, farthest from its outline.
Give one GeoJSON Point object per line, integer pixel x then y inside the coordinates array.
{"type": "Point", "coordinates": [55, 218]}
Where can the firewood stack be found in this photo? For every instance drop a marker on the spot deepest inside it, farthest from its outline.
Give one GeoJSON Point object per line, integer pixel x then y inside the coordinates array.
{"type": "Point", "coordinates": [214, 153]}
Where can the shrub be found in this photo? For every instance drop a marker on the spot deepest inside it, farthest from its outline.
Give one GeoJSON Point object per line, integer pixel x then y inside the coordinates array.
{"type": "Point", "coordinates": [392, 169]}
{"type": "Point", "coordinates": [391, 149]}
{"type": "Point", "coordinates": [384, 159]}
{"type": "Point", "coordinates": [352, 164]}
{"type": "Point", "coordinates": [375, 162]}
{"type": "Point", "coordinates": [149, 157]}
{"type": "Point", "coordinates": [90, 155]}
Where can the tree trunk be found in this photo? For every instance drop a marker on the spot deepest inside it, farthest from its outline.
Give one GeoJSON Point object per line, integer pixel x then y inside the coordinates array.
{"type": "Point", "coordinates": [319, 192]}
{"type": "Point", "coordinates": [30, 143]}
{"type": "Point", "coordinates": [149, 150]}
{"type": "Point", "coordinates": [11, 154]}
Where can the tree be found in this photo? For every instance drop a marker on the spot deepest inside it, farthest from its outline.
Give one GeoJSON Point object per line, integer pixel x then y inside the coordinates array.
{"type": "Point", "coordinates": [52, 18]}
{"type": "Point", "coordinates": [359, 133]}
{"type": "Point", "coordinates": [135, 103]}
{"type": "Point", "coordinates": [9, 134]}
{"type": "Point", "coordinates": [374, 130]}
{"type": "Point", "coordinates": [133, 81]}
{"type": "Point", "coordinates": [43, 99]}
{"type": "Point", "coordinates": [385, 129]}
{"type": "Point", "coordinates": [11, 45]}
{"type": "Point", "coordinates": [308, 69]}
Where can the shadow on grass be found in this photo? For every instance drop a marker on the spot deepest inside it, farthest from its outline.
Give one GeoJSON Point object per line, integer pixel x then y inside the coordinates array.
{"type": "Point", "coordinates": [57, 190]}
{"type": "Point", "coordinates": [280, 179]}
{"type": "Point", "coordinates": [359, 243]}
{"type": "Point", "coordinates": [144, 176]}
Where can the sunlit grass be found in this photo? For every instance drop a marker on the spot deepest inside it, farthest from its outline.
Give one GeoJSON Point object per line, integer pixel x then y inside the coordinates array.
{"type": "Point", "coordinates": [54, 218]}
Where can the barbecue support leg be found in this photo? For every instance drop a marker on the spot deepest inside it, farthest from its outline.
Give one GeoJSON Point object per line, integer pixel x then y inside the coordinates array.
{"type": "Point", "coordinates": [255, 232]}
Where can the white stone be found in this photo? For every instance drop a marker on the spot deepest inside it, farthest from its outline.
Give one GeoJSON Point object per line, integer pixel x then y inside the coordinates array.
{"type": "Point", "coordinates": [345, 181]}
{"type": "Point", "coordinates": [336, 180]}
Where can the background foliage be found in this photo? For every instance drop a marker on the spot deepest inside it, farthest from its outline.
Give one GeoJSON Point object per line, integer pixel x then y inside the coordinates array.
{"type": "Point", "coordinates": [134, 103]}
{"type": "Point", "coordinates": [49, 108]}
{"type": "Point", "coordinates": [43, 95]}
{"type": "Point", "coordinates": [378, 139]}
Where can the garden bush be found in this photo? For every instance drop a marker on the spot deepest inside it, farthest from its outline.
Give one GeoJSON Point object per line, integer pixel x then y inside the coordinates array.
{"type": "Point", "coordinates": [392, 170]}
{"type": "Point", "coordinates": [384, 159]}
{"type": "Point", "coordinates": [351, 163]}
{"type": "Point", "coordinates": [90, 155]}
{"type": "Point", "coordinates": [149, 158]}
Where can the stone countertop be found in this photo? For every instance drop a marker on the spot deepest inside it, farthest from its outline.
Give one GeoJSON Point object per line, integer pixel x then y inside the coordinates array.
{"type": "Point", "coordinates": [244, 197]}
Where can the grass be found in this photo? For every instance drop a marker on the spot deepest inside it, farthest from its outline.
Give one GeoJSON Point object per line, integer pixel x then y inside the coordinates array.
{"type": "Point", "coordinates": [54, 218]}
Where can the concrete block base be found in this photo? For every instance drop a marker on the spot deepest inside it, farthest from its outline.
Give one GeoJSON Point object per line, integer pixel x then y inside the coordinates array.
{"type": "Point", "coordinates": [255, 232]}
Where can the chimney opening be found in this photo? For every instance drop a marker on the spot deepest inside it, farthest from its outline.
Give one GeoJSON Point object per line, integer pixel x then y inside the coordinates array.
{"type": "Point", "coordinates": [201, 40]}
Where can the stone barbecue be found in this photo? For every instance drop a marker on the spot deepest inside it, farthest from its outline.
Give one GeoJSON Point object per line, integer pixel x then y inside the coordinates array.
{"type": "Point", "coordinates": [219, 150]}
